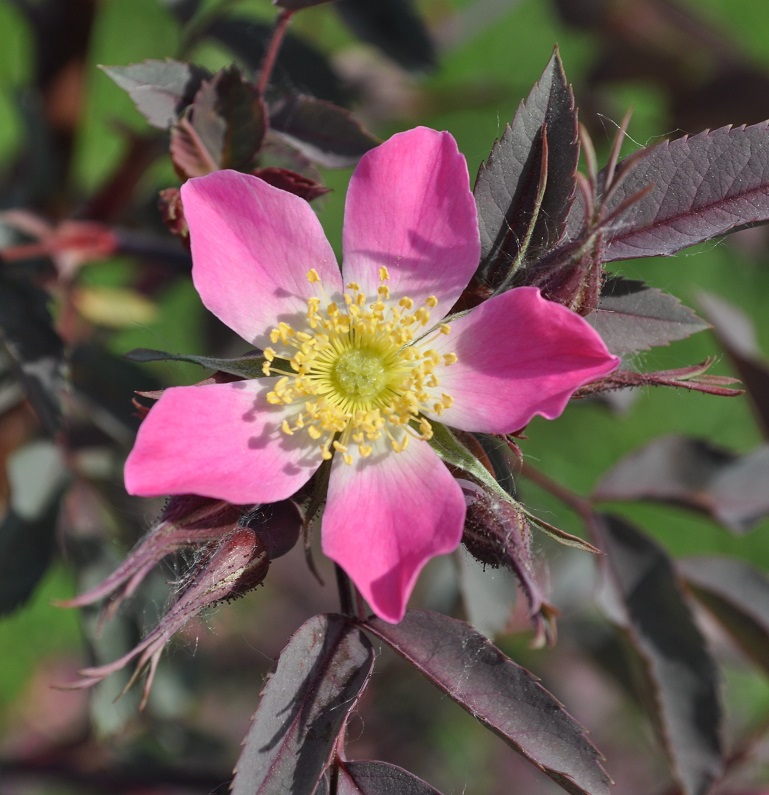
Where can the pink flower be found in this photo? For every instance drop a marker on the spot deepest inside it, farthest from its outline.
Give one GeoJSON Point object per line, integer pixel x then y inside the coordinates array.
{"type": "Point", "coordinates": [359, 366]}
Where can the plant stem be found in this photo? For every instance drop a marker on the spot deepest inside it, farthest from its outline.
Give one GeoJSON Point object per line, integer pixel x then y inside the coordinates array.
{"type": "Point", "coordinates": [579, 504]}
{"type": "Point", "coordinates": [271, 56]}
{"type": "Point", "coordinates": [345, 592]}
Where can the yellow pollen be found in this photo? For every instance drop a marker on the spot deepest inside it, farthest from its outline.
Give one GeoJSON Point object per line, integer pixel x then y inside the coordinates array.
{"type": "Point", "coordinates": [359, 371]}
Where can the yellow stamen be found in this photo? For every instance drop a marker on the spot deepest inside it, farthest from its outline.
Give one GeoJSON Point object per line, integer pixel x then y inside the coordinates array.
{"type": "Point", "coordinates": [358, 371]}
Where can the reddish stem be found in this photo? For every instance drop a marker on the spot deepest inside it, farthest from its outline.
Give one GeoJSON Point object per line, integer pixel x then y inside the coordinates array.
{"type": "Point", "coordinates": [579, 504]}
{"type": "Point", "coordinates": [271, 56]}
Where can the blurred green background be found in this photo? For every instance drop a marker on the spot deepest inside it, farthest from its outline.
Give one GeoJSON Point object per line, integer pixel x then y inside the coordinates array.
{"type": "Point", "coordinates": [680, 76]}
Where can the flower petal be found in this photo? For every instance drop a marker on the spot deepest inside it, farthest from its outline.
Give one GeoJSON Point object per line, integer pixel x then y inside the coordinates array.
{"type": "Point", "coordinates": [410, 208]}
{"type": "Point", "coordinates": [386, 516]}
{"type": "Point", "coordinates": [222, 441]}
{"type": "Point", "coordinates": [252, 246]}
{"type": "Point", "coordinates": [518, 355]}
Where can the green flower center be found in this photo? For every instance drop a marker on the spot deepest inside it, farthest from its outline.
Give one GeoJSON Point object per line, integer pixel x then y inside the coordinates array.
{"type": "Point", "coordinates": [360, 374]}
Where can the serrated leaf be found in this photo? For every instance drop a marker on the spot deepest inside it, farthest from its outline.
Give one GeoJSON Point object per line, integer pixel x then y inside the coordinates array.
{"type": "Point", "coordinates": [394, 27]}
{"type": "Point", "coordinates": [222, 128]}
{"type": "Point", "coordinates": [189, 153]}
{"type": "Point", "coordinates": [679, 672]}
{"type": "Point", "coordinates": [506, 189]}
{"type": "Point", "coordinates": [695, 474]}
{"type": "Point", "coordinates": [702, 186]}
{"type": "Point", "coordinates": [322, 132]}
{"type": "Point", "coordinates": [298, 184]}
{"type": "Point", "coordinates": [37, 477]}
{"type": "Point", "coordinates": [316, 682]}
{"type": "Point", "coordinates": [379, 778]}
{"type": "Point", "coordinates": [33, 347]}
{"type": "Point", "coordinates": [160, 89]}
{"type": "Point", "coordinates": [299, 67]}
{"type": "Point", "coordinates": [248, 366]}
{"type": "Point", "coordinates": [632, 316]}
{"type": "Point", "coordinates": [737, 594]}
{"type": "Point", "coordinates": [504, 697]}
{"type": "Point", "coordinates": [735, 331]}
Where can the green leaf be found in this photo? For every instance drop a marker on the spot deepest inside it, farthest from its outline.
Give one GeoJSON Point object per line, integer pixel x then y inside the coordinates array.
{"type": "Point", "coordinates": [453, 452]}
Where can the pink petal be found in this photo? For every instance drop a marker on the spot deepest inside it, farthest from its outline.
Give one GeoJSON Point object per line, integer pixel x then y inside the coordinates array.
{"type": "Point", "coordinates": [222, 441]}
{"type": "Point", "coordinates": [386, 516]}
{"type": "Point", "coordinates": [518, 355]}
{"type": "Point", "coordinates": [410, 208]}
{"type": "Point", "coordinates": [252, 246]}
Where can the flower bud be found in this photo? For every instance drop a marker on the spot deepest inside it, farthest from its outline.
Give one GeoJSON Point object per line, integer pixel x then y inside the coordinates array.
{"type": "Point", "coordinates": [226, 570]}
{"type": "Point", "coordinates": [497, 534]}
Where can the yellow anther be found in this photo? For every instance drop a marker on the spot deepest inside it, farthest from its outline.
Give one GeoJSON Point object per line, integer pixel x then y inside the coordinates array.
{"type": "Point", "coordinates": [355, 377]}
{"type": "Point", "coordinates": [422, 315]}
{"type": "Point", "coordinates": [399, 447]}
{"type": "Point", "coordinates": [444, 328]}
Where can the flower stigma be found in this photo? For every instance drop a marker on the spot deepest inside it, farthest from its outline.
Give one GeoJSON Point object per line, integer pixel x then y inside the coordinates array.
{"type": "Point", "coordinates": [359, 372]}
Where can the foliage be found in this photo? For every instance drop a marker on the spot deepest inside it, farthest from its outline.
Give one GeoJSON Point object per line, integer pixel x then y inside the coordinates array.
{"type": "Point", "coordinates": [82, 245]}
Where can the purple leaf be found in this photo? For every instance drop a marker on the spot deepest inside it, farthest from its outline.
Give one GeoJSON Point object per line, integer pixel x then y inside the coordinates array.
{"type": "Point", "coordinates": [32, 348]}
{"type": "Point", "coordinates": [223, 128]}
{"type": "Point", "coordinates": [736, 334]}
{"type": "Point", "coordinates": [379, 778]}
{"type": "Point", "coordinates": [299, 66]}
{"type": "Point", "coordinates": [298, 184]}
{"type": "Point", "coordinates": [679, 673]}
{"type": "Point", "coordinates": [324, 133]}
{"type": "Point", "coordinates": [702, 186]}
{"type": "Point", "coordinates": [160, 89]}
{"type": "Point", "coordinates": [37, 477]}
{"type": "Point", "coordinates": [314, 685]}
{"type": "Point", "coordinates": [504, 697]}
{"type": "Point", "coordinates": [247, 366]}
{"type": "Point", "coordinates": [737, 594]}
{"type": "Point", "coordinates": [695, 474]}
{"type": "Point", "coordinates": [394, 27]}
{"type": "Point", "coordinates": [539, 149]}
{"type": "Point", "coordinates": [634, 317]}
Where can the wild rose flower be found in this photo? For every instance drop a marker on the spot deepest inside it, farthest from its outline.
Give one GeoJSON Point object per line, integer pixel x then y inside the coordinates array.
{"type": "Point", "coordinates": [359, 365]}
